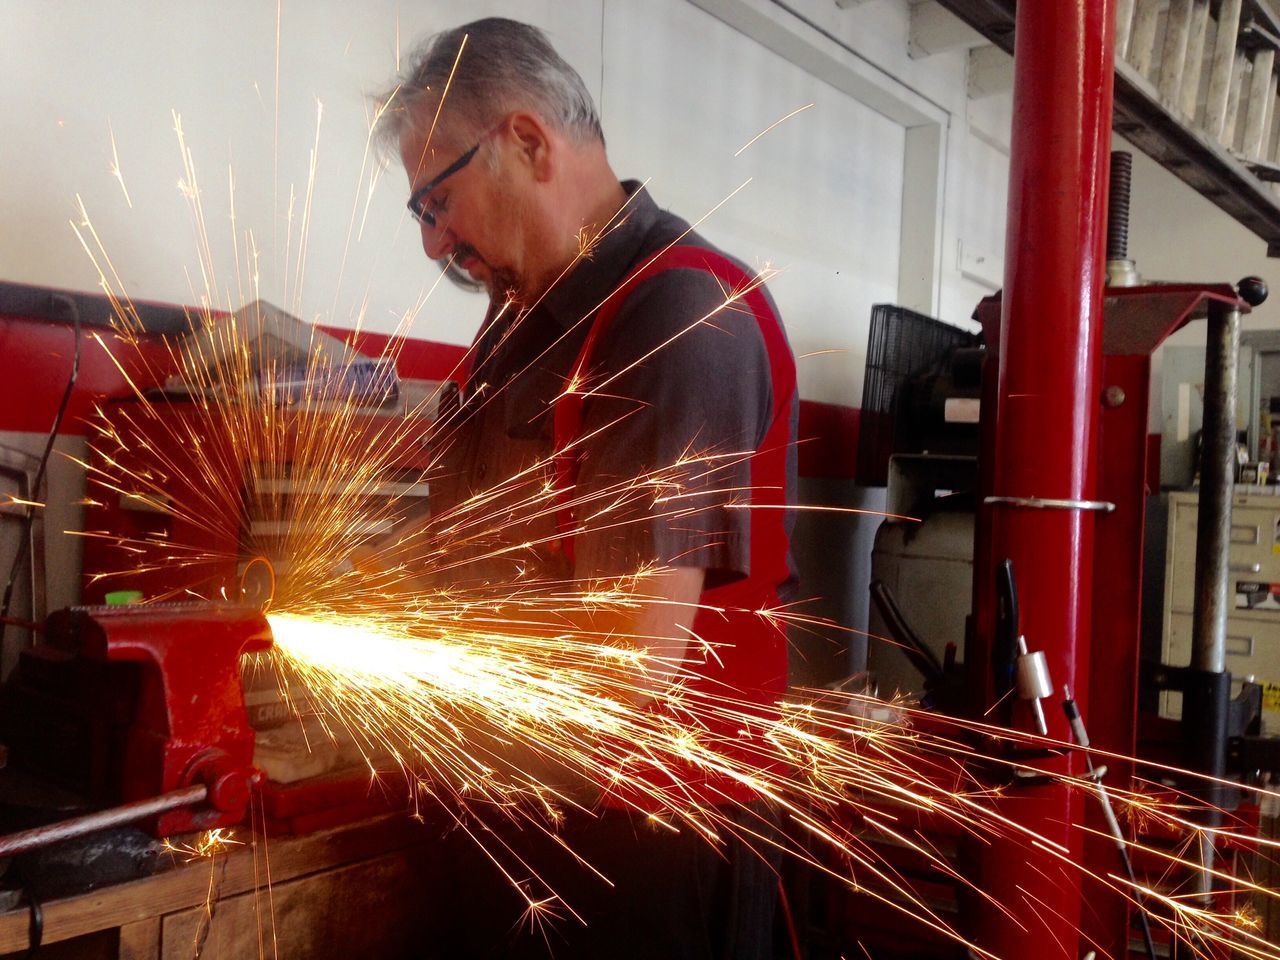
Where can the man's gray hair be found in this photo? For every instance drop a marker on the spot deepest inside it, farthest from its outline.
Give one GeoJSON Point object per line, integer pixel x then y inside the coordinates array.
{"type": "Point", "coordinates": [506, 65]}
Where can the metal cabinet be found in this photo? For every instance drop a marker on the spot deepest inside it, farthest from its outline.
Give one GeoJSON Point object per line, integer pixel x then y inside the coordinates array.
{"type": "Point", "coordinates": [1253, 629]}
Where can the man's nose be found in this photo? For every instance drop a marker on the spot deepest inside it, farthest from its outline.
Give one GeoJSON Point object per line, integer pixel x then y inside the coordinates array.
{"type": "Point", "coordinates": [437, 241]}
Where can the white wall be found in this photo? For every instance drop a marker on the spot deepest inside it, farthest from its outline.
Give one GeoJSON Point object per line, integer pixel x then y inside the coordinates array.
{"type": "Point", "coordinates": [890, 188]}
{"type": "Point", "coordinates": [73, 71]}
{"type": "Point", "coordinates": [1177, 235]}
{"type": "Point", "coordinates": [836, 241]}
{"type": "Point", "coordinates": [977, 150]}
{"type": "Point", "coordinates": [681, 90]}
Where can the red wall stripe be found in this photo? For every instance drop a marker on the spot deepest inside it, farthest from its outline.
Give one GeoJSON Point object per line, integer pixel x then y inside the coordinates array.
{"type": "Point", "coordinates": [415, 359]}
{"type": "Point", "coordinates": [37, 355]}
{"type": "Point", "coordinates": [828, 440]}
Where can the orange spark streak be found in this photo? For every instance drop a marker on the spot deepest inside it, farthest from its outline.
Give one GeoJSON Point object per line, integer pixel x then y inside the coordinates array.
{"type": "Point", "coordinates": [771, 126]}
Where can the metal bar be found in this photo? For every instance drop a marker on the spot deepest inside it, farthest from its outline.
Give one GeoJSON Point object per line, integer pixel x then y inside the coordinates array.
{"type": "Point", "coordinates": [1173, 61]}
{"type": "Point", "coordinates": [1048, 384]}
{"type": "Point", "coordinates": [1051, 503]}
{"type": "Point", "coordinates": [1190, 97]}
{"type": "Point", "coordinates": [1142, 42]}
{"type": "Point", "coordinates": [1238, 69]}
{"type": "Point", "coordinates": [1213, 598]}
{"type": "Point", "coordinates": [1124, 27]}
{"type": "Point", "coordinates": [1265, 152]}
{"type": "Point", "coordinates": [52, 833]}
{"type": "Point", "coordinates": [1224, 56]}
{"type": "Point", "coordinates": [1206, 711]}
{"type": "Point", "coordinates": [1261, 93]}
{"type": "Point", "coordinates": [1206, 698]}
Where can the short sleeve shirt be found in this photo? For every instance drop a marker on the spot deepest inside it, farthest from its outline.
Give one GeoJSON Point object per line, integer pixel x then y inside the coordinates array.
{"type": "Point", "coordinates": [682, 397]}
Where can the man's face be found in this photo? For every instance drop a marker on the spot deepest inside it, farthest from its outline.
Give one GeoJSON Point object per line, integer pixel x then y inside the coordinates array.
{"type": "Point", "coordinates": [477, 222]}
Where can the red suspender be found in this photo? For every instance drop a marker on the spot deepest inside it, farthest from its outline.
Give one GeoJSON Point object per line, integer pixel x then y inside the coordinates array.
{"type": "Point", "coordinates": [768, 475]}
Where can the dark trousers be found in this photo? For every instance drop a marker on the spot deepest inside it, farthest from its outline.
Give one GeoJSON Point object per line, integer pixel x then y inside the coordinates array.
{"type": "Point", "coordinates": [674, 896]}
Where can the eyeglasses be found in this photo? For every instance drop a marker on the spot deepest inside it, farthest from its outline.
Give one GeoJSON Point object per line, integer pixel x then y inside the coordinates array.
{"type": "Point", "coordinates": [419, 198]}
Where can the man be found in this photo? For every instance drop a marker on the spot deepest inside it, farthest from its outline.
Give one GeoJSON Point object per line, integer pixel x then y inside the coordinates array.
{"type": "Point", "coordinates": [618, 343]}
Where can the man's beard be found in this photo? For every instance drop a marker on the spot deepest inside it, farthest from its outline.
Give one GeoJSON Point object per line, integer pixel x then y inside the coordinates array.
{"type": "Point", "coordinates": [459, 277]}
{"type": "Point", "coordinates": [502, 283]}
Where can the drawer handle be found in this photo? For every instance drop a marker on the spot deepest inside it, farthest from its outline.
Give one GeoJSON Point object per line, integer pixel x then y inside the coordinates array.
{"type": "Point", "coordinates": [1245, 567]}
{"type": "Point", "coordinates": [1246, 535]}
{"type": "Point", "coordinates": [1240, 646]}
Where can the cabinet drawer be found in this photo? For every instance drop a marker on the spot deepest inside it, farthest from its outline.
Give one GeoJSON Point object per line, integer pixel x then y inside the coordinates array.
{"type": "Point", "coordinates": [1250, 644]}
{"type": "Point", "coordinates": [1253, 649]}
{"type": "Point", "coordinates": [1251, 556]}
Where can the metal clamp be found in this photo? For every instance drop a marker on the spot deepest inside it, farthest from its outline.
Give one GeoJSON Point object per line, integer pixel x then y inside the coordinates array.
{"type": "Point", "coordinates": [1050, 503]}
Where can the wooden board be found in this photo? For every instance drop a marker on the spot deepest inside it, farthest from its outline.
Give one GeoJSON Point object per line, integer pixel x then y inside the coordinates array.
{"type": "Point", "coordinates": [141, 940]}
{"type": "Point", "coordinates": [187, 886]}
{"type": "Point", "coordinates": [366, 910]}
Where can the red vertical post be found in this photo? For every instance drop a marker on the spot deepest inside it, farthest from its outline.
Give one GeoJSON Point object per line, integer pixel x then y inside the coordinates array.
{"type": "Point", "coordinates": [1046, 426]}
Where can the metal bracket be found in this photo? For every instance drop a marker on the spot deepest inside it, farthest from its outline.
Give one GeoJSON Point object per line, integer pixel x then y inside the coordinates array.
{"type": "Point", "coordinates": [1051, 503]}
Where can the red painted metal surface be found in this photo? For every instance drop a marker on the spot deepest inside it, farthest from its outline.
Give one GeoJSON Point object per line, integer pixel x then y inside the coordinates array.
{"type": "Point", "coordinates": [190, 725]}
{"type": "Point", "coordinates": [1117, 621]}
{"type": "Point", "coordinates": [29, 394]}
{"type": "Point", "coordinates": [1137, 320]}
{"type": "Point", "coordinates": [828, 440]}
{"type": "Point", "coordinates": [1045, 430]}
{"type": "Point", "coordinates": [318, 803]}
{"type": "Point", "coordinates": [39, 356]}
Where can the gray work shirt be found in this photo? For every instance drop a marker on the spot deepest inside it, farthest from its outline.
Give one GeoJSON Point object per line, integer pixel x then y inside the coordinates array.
{"type": "Point", "coordinates": [693, 376]}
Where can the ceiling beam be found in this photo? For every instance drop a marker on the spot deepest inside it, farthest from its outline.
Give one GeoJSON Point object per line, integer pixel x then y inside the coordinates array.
{"type": "Point", "coordinates": [935, 29]}
{"type": "Point", "coordinates": [990, 72]}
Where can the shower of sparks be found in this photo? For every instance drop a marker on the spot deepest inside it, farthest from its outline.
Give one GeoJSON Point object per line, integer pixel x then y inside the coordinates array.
{"type": "Point", "coordinates": [115, 166]}
{"type": "Point", "coordinates": [820, 353]}
{"type": "Point", "coordinates": [206, 845]}
{"type": "Point", "coordinates": [13, 501]}
{"type": "Point", "coordinates": [520, 693]}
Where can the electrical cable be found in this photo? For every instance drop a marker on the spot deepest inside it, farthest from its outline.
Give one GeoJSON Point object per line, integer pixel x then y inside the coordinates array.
{"type": "Point", "coordinates": [35, 926]}
{"type": "Point", "coordinates": [24, 541]}
{"type": "Point", "coordinates": [1081, 735]}
{"type": "Point", "coordinates": [23, 623]}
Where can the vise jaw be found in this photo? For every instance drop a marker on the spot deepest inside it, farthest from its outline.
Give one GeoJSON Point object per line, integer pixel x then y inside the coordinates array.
{"type": "Point", "coordinates": [189, 723]}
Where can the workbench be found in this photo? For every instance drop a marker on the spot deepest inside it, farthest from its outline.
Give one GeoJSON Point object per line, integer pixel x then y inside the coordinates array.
{"type": "Point", "coordinates": [353, 891]}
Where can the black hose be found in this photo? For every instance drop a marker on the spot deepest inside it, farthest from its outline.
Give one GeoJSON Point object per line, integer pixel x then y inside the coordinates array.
{"type": "Point", "coordinates": [916, 650]}
{"type": "Point", "coordinates": [1004, 650]}
{"type": "Point", "coordinates": [24, 541]}
{"type": "Point", "coordinates": [35, 928]}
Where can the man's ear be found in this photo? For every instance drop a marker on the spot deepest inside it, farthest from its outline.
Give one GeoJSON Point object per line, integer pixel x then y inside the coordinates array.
{"type": "Point", "coordinates": [533, 142]}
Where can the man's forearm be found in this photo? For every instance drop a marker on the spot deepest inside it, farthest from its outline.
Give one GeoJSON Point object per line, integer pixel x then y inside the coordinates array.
{"type": "Point", "coordinates": [660, 624]}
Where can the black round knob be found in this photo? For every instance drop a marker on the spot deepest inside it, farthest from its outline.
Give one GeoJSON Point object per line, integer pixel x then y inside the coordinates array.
{"type": "Point", "coordinates": [1252, 290]}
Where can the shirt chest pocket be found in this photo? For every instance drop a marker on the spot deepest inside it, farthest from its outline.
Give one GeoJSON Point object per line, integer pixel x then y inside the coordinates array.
{"type": "Point", "coordinates": [493, 451]}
